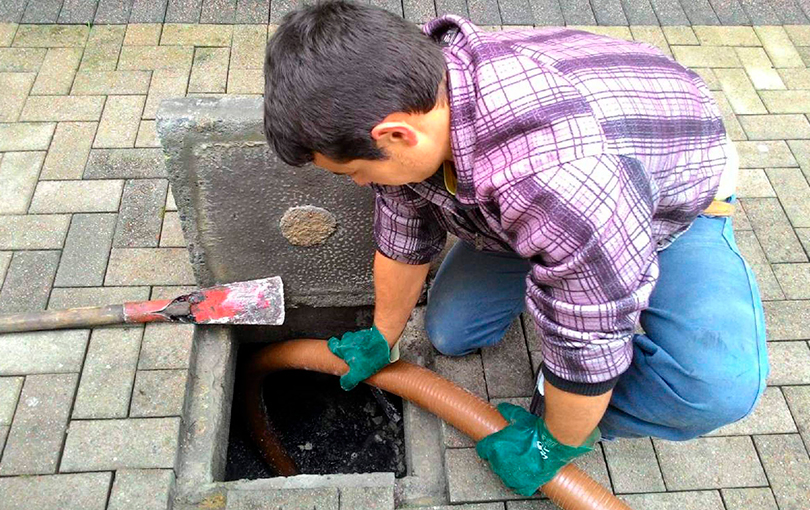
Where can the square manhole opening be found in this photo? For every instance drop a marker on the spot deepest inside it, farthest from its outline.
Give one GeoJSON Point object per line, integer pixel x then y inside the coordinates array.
{"type": "Point", "coordinates": [324, 429]}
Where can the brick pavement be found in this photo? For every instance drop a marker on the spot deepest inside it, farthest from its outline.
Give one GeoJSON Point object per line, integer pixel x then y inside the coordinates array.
{"type": "Point", "coordinates": [90, 419]}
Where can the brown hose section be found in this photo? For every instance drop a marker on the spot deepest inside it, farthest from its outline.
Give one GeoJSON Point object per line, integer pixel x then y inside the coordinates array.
{"type": "Point", "coordinates": [571, 489]}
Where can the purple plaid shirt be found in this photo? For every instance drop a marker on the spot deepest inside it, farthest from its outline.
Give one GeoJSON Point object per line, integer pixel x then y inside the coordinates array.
{"type": "Point", "coordinates": [585, 155]}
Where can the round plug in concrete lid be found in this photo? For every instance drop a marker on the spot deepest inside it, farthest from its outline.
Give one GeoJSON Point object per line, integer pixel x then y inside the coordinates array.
{"type": "Point", "coordinates": [307, 225]}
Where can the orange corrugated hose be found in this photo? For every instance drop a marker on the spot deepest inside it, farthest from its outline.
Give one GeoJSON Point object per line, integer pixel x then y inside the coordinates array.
{"type": "Point", "coordinates": [571, 489]}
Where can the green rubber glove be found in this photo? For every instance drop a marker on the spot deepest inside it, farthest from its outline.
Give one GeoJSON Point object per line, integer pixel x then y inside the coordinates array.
{"type": "Point", "coordinates": [524, 454]}
{"type": "Point", "coordinates": [365, 351]}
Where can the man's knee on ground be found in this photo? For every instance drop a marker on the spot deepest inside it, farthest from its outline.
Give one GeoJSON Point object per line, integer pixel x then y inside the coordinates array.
{"type": "Point", "coordinates": [445, 338]}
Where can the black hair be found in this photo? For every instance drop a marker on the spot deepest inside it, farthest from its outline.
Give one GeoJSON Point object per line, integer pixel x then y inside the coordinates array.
{"type": "Point", "coordinates": [334, 70]}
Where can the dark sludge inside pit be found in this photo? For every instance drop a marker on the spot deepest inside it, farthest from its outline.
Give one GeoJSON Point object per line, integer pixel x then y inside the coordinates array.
{"type": "Point", "coordinates": [324, 429]}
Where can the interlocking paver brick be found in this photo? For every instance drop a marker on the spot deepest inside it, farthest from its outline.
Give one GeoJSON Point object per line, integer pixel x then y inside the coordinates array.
{"type": "Point", "coordinates": [125, 164]}
{"type": "Point", "coordinates": [255, 11]}
{"type": "Point", "coordinates": [57, 71]}
{"type": "Point", "coordinates": [97, 445]}
{"type": "Point", "coordinates": [773, 230]}
{"type": "Point", "coordinates": [84, 259]}
{"type": "Point", "coordinates": [692, 500]}
{"type": "Point", "coordinates": [14, 88]}
{"type": "Point", "coordinates": [50, 36]}
{"type": "Point", "coordinates": [246, 81]}
{"type": "Point", "coordinates": [86, 491]}
{"type": "Point", "coordinates": [149, 266]}
{"type": "Point", "coordinates": [633, 466]}
{"type": "Point", "coordinates": [651, 35]}
{"type": "Point", "coordinates": [3, 435]}
{"type": "Point", "coordinates": [68, 151]}
{"type": "Point", "coordinates": [166, 83]}
{"type": "Point", "coordinates": [43, 11]}
{"type": "Point", "coordinates": [801, 150]}
{"type": "Point", "coordinates": [777, 43]}
{"type": "Point", "coordinates": [615, 32]}
{"type": "Point", "coordinates": [218, 11]}
{"type": "Point", "coordinates": [170, 203]}
{"type": "Point", "coordinates": [210, 70]}
{"type": "Point", "coordinates": [799, 34]}
{"type": "Point", "coordinates": [28, 281]}
{"type": "Point", "coordinates": [804, 237]}
{"type": "Point", "coordinates": [796, 78]}
{"type": "Point", "coordinates": [42, 352]}
{"type": "Point", "coordinates": [770, 416]}
{"type": "Point", "coordinates": [507, 368]}
{"type": "Point", "coordinates": [700, 12]}
{"type": "Point", "coordinates": [18, 173]}
{"type": "Point", "coordinates": [172, 291]}
{"type": "Point", "coordinates": [775, 127]}
{"type": "Point", "coordinates": [705, 56]}
{"type": "Point", "coordinates": [418, 11]}
{"type": "Point", "coordinates": [77, 196]}
{"type": "Point", "coordinates": [142, 489]}
{"type": "Point", "coordinates": [35, 439]}
{"type": "Point", "coordinates": [159, 393]}
{"type": "Point", "coordinates": [788, 320]}
{"type": "Point", "coordinates": [147, 135]}
{"type": "Point", "coordinates": [171, 235]}
{"type": "Point", "coordinates": [732, 125]}
{"type": "Point", "coordinates": [755, 257]}
{"type": "Point", "coordinates": [787, 101]}
{"type": "Point", "coordinates": [108, 373]}
{"type": "Point", "coordinates": [33, 232]}
{"type": "Point", "coordinates": [196, 35]}
{"type": "Point", "coordinates": [17, 60]}
{"type": "Point", "coordinates": [183, 11]}
{"type": "Point", "coordinates": [709, 463]}
{"type": "Point", "coordinates": [593, 463]}
{"type": "Point", "coordinates": [91, 83]}
{"type": "Point", "coordinates": [26, 136]}
{"type": "Point", "coordinates": [147, 11]}
{"type": "Point", "coordinates": [166, 346]}
{"type": "Point", "coordinates": [726, 36]}
{"type": "Point", "coordinates": [58, 108]}
{"type": "Point", "coordinates": [798, 399]}
{"type": "Point", "coordinates": [739, 90]}
{"type": "Point", "coordinates": [577, 12]}
{"type": "Point", "coordinates": [546, 12]}
{"type": "Point", "coordinates": [794, 194]}
{"type": "Point", "coordinates": [680, 35]}
{"type": "Point", "coordinates": [754, 183]}
{"type": "Point", "coordinates": [790, 363]}
{"type": "Point", "coordinates": [467, 372]}
{"type": "Point", "coordinates": [5, 260]}
{"type": "Point", "coordinates": [7, 31]}
{"type": "Point", "coordinates": [481, 12]}
{"type": "Point", "coordinates": [113, 11]}
{"type": "Point", "coordinates": [470, 479]}
{"type": "Point", "coordinates": [609, 12]}
{"type": "Point", "coordinates": [103, 47]}
{"type": "Point", "coordinates": [75, 12]}
{"type": "Point", "coordinates": [247, 50]}
{"type": "Point", "coordinates": [788, 467]}
{"type": "Point", "coordinates": [764, 154]}
{"type": "Point", "coordinates": [140, 58]}
{"type": "Point", "coordinates": [143, 34]}
{"type": "Point", "coordinates": [78, 297]}
{"type": "Point", "coordinates": [740, 219]}
{"type": "Point", "coordinates": [759, 68]}
{"type": "Point", "coordinates": [119, 123]}
{"type": "Point", "coordinates": [279, 8]}
{"type": "Point", "coordinates": [9, 393]}
{"type": "Point", "coordinates": [140, 218]}
{"type": "Point", "coordinates": [744, 499]}
{"type": "Point", "coordinates": [321, 498]}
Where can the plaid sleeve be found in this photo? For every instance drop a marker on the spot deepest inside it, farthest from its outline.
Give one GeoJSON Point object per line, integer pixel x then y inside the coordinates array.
{"type": "Point", "coordinates": [404, 228]}
{"type": "Point", "coordinates": [586, 228]}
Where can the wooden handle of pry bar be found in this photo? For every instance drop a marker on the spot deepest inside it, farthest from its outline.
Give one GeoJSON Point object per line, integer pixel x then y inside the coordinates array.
{"type": "Point", "coordinates": [61, 319]}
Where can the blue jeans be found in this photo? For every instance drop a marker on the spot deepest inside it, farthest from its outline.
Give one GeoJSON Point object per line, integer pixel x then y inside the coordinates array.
{"type": "Point", "coordinates": [702, 362]}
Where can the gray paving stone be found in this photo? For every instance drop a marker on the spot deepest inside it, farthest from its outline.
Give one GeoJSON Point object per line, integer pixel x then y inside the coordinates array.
{"type": "Point", "coordinates": [5, 261]}
{"type": "Point", "coordinates": [42, 352]}
{"type": "Point", "coordinates": [732, 125]}
{"type": "Point", "coordinates": [245, 81]}
{"type": "Point", "coordinates": [794, 194]}
{"type": "Point", "coordinates": [26, 136]}
{"type": "Point", "coordinates": [524, 505]}
{"type": "Point", "coordinates": [103, 47]}
{"type": "Point", "coordinates": [68, 151]}
{"type": "Point", "coordinates": [142, 489]}
{"type": "Point", "coordinates": [798, 399]}
{"type": "Point", "coordinates": [790, 363]}
{"type": "Point", "coordinates": [12, 10]}
{"type": "Point", "coordinates": [773, 230]}
{"type": "Point", "coordinates": [171, 291]}
{"type": "Point", "coordinates": [787, 320]}
{"type": "Point", "coordinates": [9, 394]}
{"type": "Point", "coordinates": [147, 136]}
{"type": "Point", "coordinates": [18, 60]}
{"type": "Point", "coordinates": [3, 435]}
{"type": "Point", "coordinates": [467, 372]}
{"type": "Point", "coordinates": [59, 108]}
{"type": "Point", "coordinates": [801, 150]}
{"type": "Point", "coordinates": [710, 463]}
{"type": "Point", "coordinates": [700, 12]}
{"type": "Point", "coordinates": [84, 259]}
{"type": "Point", "coordinates": [788, 467]}
{"type": "Point", "coordinates": [159, 393]}
{"type": "Point", "coordinates": [149, 266]}
{"type": "Point", "coordinates": [166, 83]}
{"type": "Point", "coordinates": [670, 12]}
{"type": "Point", "coordinates": [252, 11]}
{"type": "Point", "coordinates": [113, 11]}
{"type": "Point", "coordinates": [148, 58]}
{"type": "Point", "coordinates": [125, 164]}
{"type": "Point", "coordinates": [804, 237]}
{"type": "Point", "coordinates": [754, 183]}
{"type": "Point", "coordinates": [210, 70]}
{"type": "Point", "coordinates": [57, 71]}
{"type": "Point", "coordinates": [743, 499]}
{"type": "Point", "coordinates": [577, 12]}
{"type": "Point", "coordinates": [119, 123]}
{"type": "Point", "coordinates": [18, 173]}
{"type": "Point", "coordinates": [62, 298]}
{"type": "Point", "coordinates": [764, 154]}
{"type": "Point", "coordinates": [609, 12]}
{"type": "Point", "coordinates": [793, 278]}
{"type": "Point", "coordinates": [771, 416]}
{"type": "Point", "coordinates": [482, 12]}
{"type": "Point", "coordinates": [35, 439]}
{"type": "Point", "coordinates": [143, 34]}
{"type": "Point", "coordinates": [140, 219]}
{"type": "Point", "coordinates": [735, 84]}
{"type": "Point", "coordinates": [28, 281]}
{"type": "Point", "coordinates": [593, 463]}
{"type": "Point", "coordinates": [171, 235]}
{"type": "Point", "coordinates": [633, 466]}
{"type": "Point", "coordinates": [775, 127]}
{"type": "Point", "coordinates": [77, 12]}
{"type": "Point", "coordinates": [692, 500]}
{"type": "Point", "coordinates": [166, 346]}
{"type": "Point", "coordinates": [42, 11]}
{"type": "Point", "coordinates": [547, 12]}
{"type": "Point", "coordinates": [51, 36]}
{"type": "Point", "coordinates": [14, 89]}
{"type": "Point", "coordinates": [752, 253]}
{"type": "Point", "coordinates": [367, 498]}
{"type": "Point", "coordinates": [740, 220]}
{"type": "Point", "coordinates": [247, 49]}
{"type": "Point", "coordinates": [639, 12]}
{"type": "Point", "coordinates": [326, 498]}
{"type": "Point", "coordinates": [98, 445]}
{"type": "Point", "coordinates": [86, 491]}
{"type": "Point", "coordinates": [108, 373]}
{"type": "Point", "coordinates": [77, 196]}
{"type": "Point", "coordinates": [507, 367]}
{"type": "Point", "coordinates": [760, 13]}
{"type": "Point", "coordinates": [183, 11]}
{"type": "Point", "coordinates": [33, 232]}
{"type": "Point", "coordinates": [147, 11]}
{"type": "Point", "coordinates": [111, 82]}
{"type": "Point", "coordinates": [279, 8]}
{"type": "Point", "coordinates": [395, 6]}
{"type": "Point", "coordinates": [730, 12]}
{"type": "Point", "coordinates": [469, 478]}
{"type": "Point", "coordinates": [418, 11]}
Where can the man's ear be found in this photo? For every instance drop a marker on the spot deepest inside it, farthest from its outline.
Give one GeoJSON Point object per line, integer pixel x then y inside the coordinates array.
{"type": "Point", "coordinates": [391, 132]}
